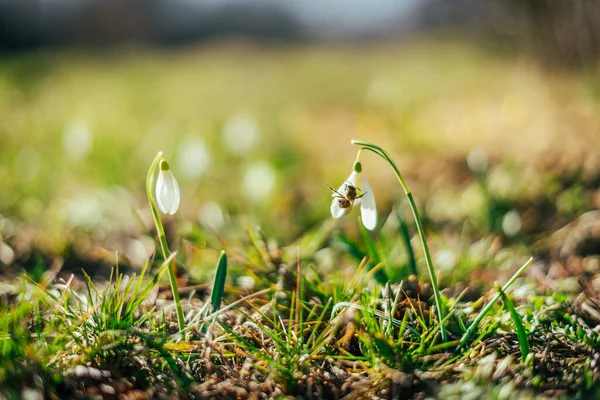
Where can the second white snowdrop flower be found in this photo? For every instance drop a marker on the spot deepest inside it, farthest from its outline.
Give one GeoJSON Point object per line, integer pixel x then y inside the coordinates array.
{"type": "Point", "coordinates": [354, 191]}
{"type": "Point", "coordinates": [167, 190]}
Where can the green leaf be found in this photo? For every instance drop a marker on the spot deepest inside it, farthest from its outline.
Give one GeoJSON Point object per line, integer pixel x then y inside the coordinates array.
{"type": "Point", "coordinates": [521, 333]}
{"type": "Point", "coordinates": [219, 284]}
{"type": "Point", "coordinates": [405, 234]}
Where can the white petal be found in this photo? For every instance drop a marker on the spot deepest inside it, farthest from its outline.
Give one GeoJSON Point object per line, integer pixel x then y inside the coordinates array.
{"type": "Point", "coordinates": [368, 208]}
{"type": "Point", "coordinates": [353, 179]}
{"type": "Point", "coordinates": [336, 210]}
{"type": "Point", "coordinates": [167, 192]}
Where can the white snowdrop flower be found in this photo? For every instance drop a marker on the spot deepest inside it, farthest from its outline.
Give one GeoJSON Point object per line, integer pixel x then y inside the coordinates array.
{"type": "Point", "coordinates": [138, 251]}
{"type": "Point", "coordinates": [7, 254]}
{"type": "Point", "coordinates": [246, 282]}
{"type": "Point", "coordinates": [240, 134]}
{"type": "Point", "coordinates": [259, 181]}
{"type": "Point", "coordinates": [85, 210]}
{"type": "Point", "coordinates": [167, 190]}
{"type": "Point", "coordinates": [355, 190]}
{"type": "Point", "coordinates": [445, 260]}
{"type": "Point", "coordinates": [193, 158]}
{"type": "Point", "coordinates": [211, 215]}
{"type": "Point", "coordinates": [478, 160]}
{"type": "Point", "coordinates": [511, 223]}
{"type": "Point", "coordinates": [77, 139]}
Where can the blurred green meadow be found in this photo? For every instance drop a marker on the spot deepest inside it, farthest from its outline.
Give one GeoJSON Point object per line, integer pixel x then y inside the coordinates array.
{"type": "Point", "coordinates": [255, 132]}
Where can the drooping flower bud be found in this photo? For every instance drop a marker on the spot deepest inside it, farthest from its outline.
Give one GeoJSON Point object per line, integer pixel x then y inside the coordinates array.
{"type": "Point", "coordinates": [167, 190]}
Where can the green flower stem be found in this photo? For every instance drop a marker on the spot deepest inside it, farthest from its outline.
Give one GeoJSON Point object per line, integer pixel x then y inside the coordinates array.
{"type": "Point", "coordinates": [434, 284]}
{"type": "Point", "coordinates": [155, 215]}
{"type": "Point", "coordinates": [467, 335]}
{"type": "Point", "coordinates": [162, 238]}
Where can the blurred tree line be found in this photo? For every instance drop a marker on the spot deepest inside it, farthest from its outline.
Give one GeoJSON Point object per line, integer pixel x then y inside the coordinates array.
{"type": "Point", "coordinates": [560, 33]}
{"type": "Point", "coordinates": [563, 33]}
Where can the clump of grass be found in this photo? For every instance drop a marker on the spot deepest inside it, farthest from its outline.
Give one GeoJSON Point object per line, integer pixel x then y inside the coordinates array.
{"type": "Point", "coordinates": [287, 346]}
{"type": "Point", "coordinates": [471, 330]}
{"type": "Point", "coordinates": [27, 341]}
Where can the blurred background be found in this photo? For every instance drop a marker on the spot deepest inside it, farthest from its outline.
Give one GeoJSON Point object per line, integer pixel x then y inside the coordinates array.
{"type": "Point", "coordinates": [491, 109]}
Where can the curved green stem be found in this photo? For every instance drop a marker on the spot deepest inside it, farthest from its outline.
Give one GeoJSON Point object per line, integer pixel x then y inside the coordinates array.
{"type": "Point", "coordinates": [434, 284]}
{"type": "Point", "coordinates": [162, 238]}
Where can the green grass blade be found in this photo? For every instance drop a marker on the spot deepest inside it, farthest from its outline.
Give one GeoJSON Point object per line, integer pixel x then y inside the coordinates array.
{"type": "Point", "coordinates": [489, 329]}
{"type": "Point", "coordinates": [105, 298]}
{"type": "Point", "coordinates": [405, 234]}
{"type": "Point", "coordinates": [219, 283]}
{"type": "Point", "coordinates": [394, 307]}
{"type": "Point", "coordinates": [376, 313]}
{"type": "Point", "coordinates": [373, 254]}
{"type": "Point", "coordinates": [138, 286]}
{"type": "Point", "coordinates": [89, 284]}
{"type": "Point", "coordinates": [402, 327]}
{"type": "Point", "coordinates": [461, 324]}
{"type": "Point", "coordinates": [489, 306]}
{"type": "Point", "coordinates": [43, 289]}
{"type": "Point", "coordinates": [320, 320]}
{"type": "Point", "coordinates": [521, 333]}
{"type": "Point", "coordinates": [294, 300]}
{"type": "Point", "coordinates": [349, 246]}
{"type": "Point", "coordinates": [140, 297]}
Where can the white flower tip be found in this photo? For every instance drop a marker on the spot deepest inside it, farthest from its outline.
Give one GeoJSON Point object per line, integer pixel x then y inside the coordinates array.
{"type": "Point", "coordinates": [368, 207]}
{"type": "Point", "coordinates": [167, 192]}
{"type": "Point", "coordinates": [369, 219]}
